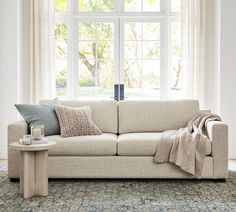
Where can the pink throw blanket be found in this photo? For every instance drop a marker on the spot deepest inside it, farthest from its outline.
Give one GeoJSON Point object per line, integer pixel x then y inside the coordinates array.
{"type": "Point", "coordinates": [186, 147]}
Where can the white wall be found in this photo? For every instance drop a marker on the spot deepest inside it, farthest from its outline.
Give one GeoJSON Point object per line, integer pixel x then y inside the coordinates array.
{"type": "Point", "coordinates": [228, 69]}
{"type": "Point", "coordinates": [8, 69]}
{"type": "Point", "coordinates": [212, 56]}
{"type": "Point", "coordinates": [221, 64]}
{"type": "Point", "coordinates": [24, 50]}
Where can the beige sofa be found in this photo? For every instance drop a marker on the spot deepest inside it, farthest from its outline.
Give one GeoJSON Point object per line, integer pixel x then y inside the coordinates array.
{"type": "Point", "coordinates": [131, 131]}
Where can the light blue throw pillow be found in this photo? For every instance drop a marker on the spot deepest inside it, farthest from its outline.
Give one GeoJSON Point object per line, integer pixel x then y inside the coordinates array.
{"type": "Point", "coordinates": [42, 114]}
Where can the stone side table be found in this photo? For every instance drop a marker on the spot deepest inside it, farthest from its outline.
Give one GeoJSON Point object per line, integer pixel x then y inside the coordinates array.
{"type": "Point", "coordinates": [33, 168]}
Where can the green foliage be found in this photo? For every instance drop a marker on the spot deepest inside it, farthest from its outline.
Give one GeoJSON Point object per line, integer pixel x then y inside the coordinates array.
{"type": "Point", "coordinates": [129, 1]}
{"type": "Point", "coordinates": [105, 5]}
{"type": "Point", "coordinates": [61, 31]}
{"type": "Point", "coordinates": [105, 31]}
{"type": "Point", "coordinates": [86, 81]}
{"type": "Point", "coordinates": [61, 39]}
{"type": "Point", "coordinates": [96, 6]}
{"type": "Point", "coordinates": [87, 5]}
{"type": "Point", "coordinates": [97, 48]}
{"type": "Point", "coordinates": [151, 1]}
{"type": "Point", "coordinates": [61, 5]}
{"type": "Point", "coordinates": [61, 79]}
{"type": "Point", "coordinates": [153, 52]}
{"type": "Point", "coordinates": [95, 31]}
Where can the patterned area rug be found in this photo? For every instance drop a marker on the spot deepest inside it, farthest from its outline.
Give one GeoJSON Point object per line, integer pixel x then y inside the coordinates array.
{"type": "Point", "coordinates": [123, 195]}
{"type": "Point", "coordinates": [3, 168]}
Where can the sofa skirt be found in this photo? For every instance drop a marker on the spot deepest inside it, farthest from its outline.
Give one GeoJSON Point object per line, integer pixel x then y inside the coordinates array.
{"type": "Point", "coordinates": [118, 167]}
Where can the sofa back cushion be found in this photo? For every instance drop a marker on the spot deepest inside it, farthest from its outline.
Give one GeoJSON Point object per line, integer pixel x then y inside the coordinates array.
{"type": "Point", "coordinates": [155, 116]}
{"type": "Point", "coordinates": [104, 112]}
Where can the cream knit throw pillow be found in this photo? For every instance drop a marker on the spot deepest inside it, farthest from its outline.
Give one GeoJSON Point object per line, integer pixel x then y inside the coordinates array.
{"type": "Point", "coordinates": [76, 121]}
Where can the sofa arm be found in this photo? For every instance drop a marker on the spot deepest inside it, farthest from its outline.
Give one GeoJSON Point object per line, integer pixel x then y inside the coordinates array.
{"type": "Point", "coordinates": [15, 132]}
{"type": "Point", "coordinates": [218, 134]}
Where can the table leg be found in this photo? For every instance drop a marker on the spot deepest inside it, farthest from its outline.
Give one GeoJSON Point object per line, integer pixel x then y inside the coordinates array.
{"type": "Point", "coordinates": [29, 174]}
{"type": "Point", "coordinates": [41, 173]}
{"type": "Point", "coordinates": [21, 172]}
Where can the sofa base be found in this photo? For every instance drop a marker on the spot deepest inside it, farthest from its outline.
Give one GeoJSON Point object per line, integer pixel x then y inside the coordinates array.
{"type": "Point", "coordinates": [14, 180]}
{"type": "Point", "coordinates": [118, 167]}
{"type": "Point", "coordinates": [221, 180]}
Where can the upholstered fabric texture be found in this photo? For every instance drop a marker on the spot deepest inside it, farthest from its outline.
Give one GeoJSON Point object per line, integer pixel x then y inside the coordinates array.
{"type": "Point", "coordinates": [123, 166]}
{"type": "Point", "coordinates": [104, 113]}
{"type": "Point", "coordinates": [42, 114]}
{"type": "Point", "coordinates": [144, 144]}
{"type": "Point", "coordinates": [118, 167]}
{"type": "Point", "coordinates": [135, 160]}
{"type": "Point", "coordinates": [218, 134]}
{"type": "Point", "coordinates": [93, 145]}
{"type": "Point", "coordinates": [155, 116]}
{"type": "Point", "coordinates": [76, 121]}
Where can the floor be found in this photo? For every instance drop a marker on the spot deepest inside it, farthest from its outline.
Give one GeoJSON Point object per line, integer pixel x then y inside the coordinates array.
{"type": "Point", "coordinates": [3, 165]}
{"type": "Point", "coordinates": [232, 164]}
{"type": "Point", "coordinates": [118, 195]}
{"type": "Point", "coordinates": [3, 162]}
{"type": "Point", "coordinates": [123, 195]}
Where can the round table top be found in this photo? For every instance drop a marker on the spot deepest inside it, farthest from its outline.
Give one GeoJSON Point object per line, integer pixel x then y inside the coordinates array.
{"type": "Point", "coordinates": [32, 147]}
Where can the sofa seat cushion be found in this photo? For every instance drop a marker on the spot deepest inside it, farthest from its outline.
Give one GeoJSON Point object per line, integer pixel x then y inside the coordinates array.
{"type": "Point", "coordinates": [92, 145]}
{"type": "Point", "coordinates": [143, 144]}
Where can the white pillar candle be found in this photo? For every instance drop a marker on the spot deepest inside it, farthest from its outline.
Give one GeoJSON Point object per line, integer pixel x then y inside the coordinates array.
{"type": "Point", "coordinates": [37, 133]}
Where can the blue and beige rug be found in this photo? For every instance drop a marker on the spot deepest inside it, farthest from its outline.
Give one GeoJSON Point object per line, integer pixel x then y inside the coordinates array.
{"type": "Point", "coordinates": [3, 168]}
{"type": "Point", "coordinates": [123, 195]}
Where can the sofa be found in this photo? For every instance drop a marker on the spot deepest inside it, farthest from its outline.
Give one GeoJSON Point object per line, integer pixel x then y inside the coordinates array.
{"type": "Point", "coordinates": [130, 134]}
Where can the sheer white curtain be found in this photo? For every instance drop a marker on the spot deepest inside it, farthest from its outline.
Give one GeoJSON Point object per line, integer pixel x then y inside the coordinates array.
{"type": "Point", "coordinates": [41, 77]}
{"type": "Point", "coordinates": [193, 48]}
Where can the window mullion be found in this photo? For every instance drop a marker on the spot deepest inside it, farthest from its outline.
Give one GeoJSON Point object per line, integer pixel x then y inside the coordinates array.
{"type": "Point", "coordinates": [142, 50]}
{"type": "Point", "coordinates": [74, 6]}
{"type": "Point", "coordinates": [72, 55]}
{"type": "Point", "coordinates": [69, 56]}
{"type": "Point", "coordinates": [75, 58]}
{"type": "Point", "coordinates": [121, 6]}
{"type": "Point", "coordinates": [117, 53]}
{"type": "Point", "coordinates": [163, 6]}
{"type": "Point", "coordinates": [164, 59]}
{"type": "Point", "coordinates": [121, 52]}
{"type": "Point", "coordinates": [96, 61]}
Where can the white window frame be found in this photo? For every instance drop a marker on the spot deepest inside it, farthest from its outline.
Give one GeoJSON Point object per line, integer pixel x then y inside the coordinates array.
{"type": "Point", "coordinates": [76, 45]}
{"type": "Point", "coordinates": [118, 17]}
{"type": "Point", "coordinates": [162, 46]}
{"type": "Point", "coordinates": [170, 21]}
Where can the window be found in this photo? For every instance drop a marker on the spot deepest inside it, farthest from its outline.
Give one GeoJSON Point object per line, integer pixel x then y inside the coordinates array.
{"type": "Point", "coordinates": [135, 43]}
{"type": "Point", "coordinates": [96, 58]}
{"type": "Point", "coordinates": [141, 64]}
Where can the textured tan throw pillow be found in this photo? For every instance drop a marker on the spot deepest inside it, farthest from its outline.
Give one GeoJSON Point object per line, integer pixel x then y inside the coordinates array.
{"type": "Point", "coordinates": [76, 121]}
